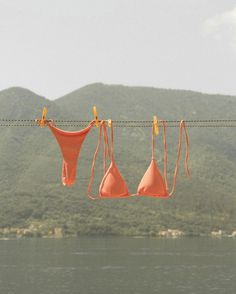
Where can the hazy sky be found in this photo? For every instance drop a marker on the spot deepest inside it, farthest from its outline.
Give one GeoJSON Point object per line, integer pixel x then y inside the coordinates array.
{"type": "Point", "coordinates": [55, 46]}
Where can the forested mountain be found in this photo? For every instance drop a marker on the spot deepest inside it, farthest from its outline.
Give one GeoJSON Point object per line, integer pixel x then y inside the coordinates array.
{"type": "Point", "coordinates": [30, 163]}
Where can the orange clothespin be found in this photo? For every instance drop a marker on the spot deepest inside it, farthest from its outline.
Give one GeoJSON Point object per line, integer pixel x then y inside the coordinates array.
{"type": "Point", "coordinates": [155, 123]}
{"type": "Point", "coordinates": [43, 118]}
{"type": "Point", "coordinates": [95, 114]}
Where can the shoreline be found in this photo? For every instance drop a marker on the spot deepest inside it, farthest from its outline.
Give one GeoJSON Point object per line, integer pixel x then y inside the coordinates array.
{"type": "Point", "coordinates": [58, 233]}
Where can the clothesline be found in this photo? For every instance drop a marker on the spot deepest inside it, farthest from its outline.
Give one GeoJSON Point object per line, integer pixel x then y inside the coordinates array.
{"type": "Point", "coordinates": [205, 123]}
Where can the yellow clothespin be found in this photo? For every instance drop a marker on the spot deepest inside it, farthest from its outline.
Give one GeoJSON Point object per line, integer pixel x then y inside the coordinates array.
{"type": "Point", "coordinates": [43, 118]}
{"type": "Point", "coordinates": [155, 123]}
{"type": "Point", "coordinates": [95, 114]}
{"type": "Point", "coordinates": [109, 122]}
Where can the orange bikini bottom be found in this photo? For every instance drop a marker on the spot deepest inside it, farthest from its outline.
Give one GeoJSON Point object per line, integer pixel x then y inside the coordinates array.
{"type": "Point", "coordinates": [70, 144]}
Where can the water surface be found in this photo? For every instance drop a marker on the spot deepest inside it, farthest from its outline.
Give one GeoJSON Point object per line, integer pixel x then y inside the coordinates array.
{"type": "Point", "coordinates": [118, 265]}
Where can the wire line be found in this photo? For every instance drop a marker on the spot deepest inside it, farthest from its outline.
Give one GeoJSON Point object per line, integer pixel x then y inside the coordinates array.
{"type": "Point", "coordinates": [204, 123]}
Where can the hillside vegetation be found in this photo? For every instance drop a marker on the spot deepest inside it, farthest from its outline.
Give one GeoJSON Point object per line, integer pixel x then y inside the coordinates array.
{"type": "Point", "coordinates": [30, 164]}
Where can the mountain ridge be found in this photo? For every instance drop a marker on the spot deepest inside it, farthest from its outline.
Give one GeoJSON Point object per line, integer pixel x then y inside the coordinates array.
{"type": "Point", "coordinates": [24, 90]}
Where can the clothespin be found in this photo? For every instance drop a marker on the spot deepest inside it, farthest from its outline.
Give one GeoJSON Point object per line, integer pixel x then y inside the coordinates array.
{"type": "Point", "coordinates": [109, 123]}
{"type": "Point", "coordinates": [43, 118]}
{"type": "Point", "coordinates": [155, 123]}
{"type": "Point", "coordinates": [95, 114]}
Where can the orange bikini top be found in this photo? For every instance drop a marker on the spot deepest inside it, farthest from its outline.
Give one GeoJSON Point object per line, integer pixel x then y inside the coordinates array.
{"type": "Point", "coordinates": [153, 183]}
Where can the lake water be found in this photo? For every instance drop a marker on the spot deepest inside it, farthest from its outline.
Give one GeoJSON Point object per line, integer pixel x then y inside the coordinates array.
{"type": "Point", "coordinates": [118, 265]}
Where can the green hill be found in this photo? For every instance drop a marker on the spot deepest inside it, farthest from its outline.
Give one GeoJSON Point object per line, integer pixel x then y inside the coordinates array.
{"type": "Point", "coordinates": [30, 163]}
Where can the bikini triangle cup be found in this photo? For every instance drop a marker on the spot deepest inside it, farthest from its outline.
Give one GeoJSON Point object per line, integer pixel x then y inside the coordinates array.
{"type": "Point", "coordinates": [152, 184]}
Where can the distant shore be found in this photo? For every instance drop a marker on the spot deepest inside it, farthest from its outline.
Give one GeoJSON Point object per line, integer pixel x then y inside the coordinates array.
{"type": "Point", "coordinates": [59, 232]}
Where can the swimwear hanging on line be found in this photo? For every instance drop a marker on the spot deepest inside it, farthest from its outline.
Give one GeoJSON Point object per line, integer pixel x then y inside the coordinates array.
{"type": "Point", "coordinates": [112, 185]}
{"type": "Point", "coordinates": [70, 144]}
{"type": "Point", "coordinates": [152, 184]}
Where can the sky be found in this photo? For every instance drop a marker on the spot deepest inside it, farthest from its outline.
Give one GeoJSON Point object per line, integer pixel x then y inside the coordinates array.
{"type": "Point", "coordinates": [53, 47]}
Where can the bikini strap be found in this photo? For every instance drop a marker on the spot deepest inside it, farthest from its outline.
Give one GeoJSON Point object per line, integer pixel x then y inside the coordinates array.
{"type": "Point", "coordinates": [107, 148]}
{"type": "Point", "coordinates": [165, 149]}
{"type": "Point", "coordinates": [165, 153]}
{"type": "Point", "coordinates": [106, 151]}
{"type": "Point", "coordinates": [93, 165]}
{"type": "Point", "coordinates": [112, 140]}
{"type": "Point", "coordinates": [153, 156]}
{"type": "Point", "coordinates": [182, 127]}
